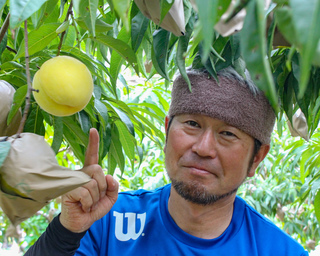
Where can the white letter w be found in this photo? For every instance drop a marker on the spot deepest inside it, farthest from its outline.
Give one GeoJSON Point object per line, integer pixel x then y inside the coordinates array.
{"type": "Point", "coordinates": [131, 229]}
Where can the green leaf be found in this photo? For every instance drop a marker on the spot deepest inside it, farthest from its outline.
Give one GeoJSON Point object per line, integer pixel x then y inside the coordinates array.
{"type": "Point", "coordinates": [317, 205]}
{"type": "Point", "coordinates": [283, 17]}
{"type": "Point", "coordinates": [39, 17]}
{"type": "Point", "coordinates": [121, 47]}
{"type": "Point", "coordinates": [125, 119]}
{"type": "Point", "coordinates": [159, 114]}
{"type": "Point", "coordinates": [122, 8]}
{"type": "Point", "coordinates": [87, 11]}
{"type": "Point", "coordinates": [161, 40]}
{"type": "Point", "coordinates": [154, 131]}
{"type": "Point", "coordinates": [112, 163]}
{"type": "Point", "coordinates": [16, 77]}
{"type": "Point", "coordinates": [58, 134]}
{"type": "Point", "coordinates": [182, 49]}
{"type": "Point", "coordinates": [21, 10]}
{"type": "Point", "coordinates": [139, 26]}
{"type": "Point", "coordinates": [116, 59]}
{"type": "Point", "coordinates": [18, 99]}
{"type": "Point", "coordinates": [84, 120]}
{"type": "Point", "coordinates": [76, 130]}
{"type": "Point", "coordinates": [3, 44]}
{"type": "Point", "coordinates": [127, 141]}
{"type": "Point", "coordinates": [102, 111]}
{"type": "Point", "coordinates": [165, 6]}
{"type": "Point", "coordinates": [63, 3]}
{"type": "Point", "coordinates": [254, 50]}
{"type": "Point", "coordinates": [115, 154]}
{"type": "Point", "coordinates": [34, 122]}
{"type": "Point", "coordinates": [306, 20]}
{"type": "Point", "coordinates": [4, 150]}
{"type": "Point", "coordinates": [73, 141]}
{"type": "Point", "coordinates": [38, 39]}
{"type": "Point", "coordinates": [105, 141]}
{"type": "Point", "coordinates": [100, 25]}
{"type": "Point", "coordinates": [207, 11]}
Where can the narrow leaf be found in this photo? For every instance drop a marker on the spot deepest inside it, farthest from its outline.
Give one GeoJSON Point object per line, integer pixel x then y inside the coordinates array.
{"type": "Point", "coordinates": [254, 50]}
{"type": "Point", "coordinates": [317, 205]}
{"type": "Point", "coordinates": [3, 44]}
{"type": "Point", "coordinates": [73, 141]}
{"type": "Point", "coordinates": [76, 130]}
{"type": "Point", "coordinates": [58, 134]}
{"type": "Point", "coordinates": [122, 8]}
{"type": "Point", "coordinates": [105, 141]}
{"type": "Point", "coordinates": [161, 40]}
{"type": "Point", "coordinates": [21, 10]}
{"type": "Point", "coordinates": [125, 119]}
{"type": "Point", "coordinates": [88, 10]}
{"type": "Point", "coordinates": [182, 49]}
{"type": "Point", "coordinates": [39, 39]}
{"type": "Point", "coordinates": [306, 20]}
{"type": "Point", "coordinates": [34, 122]}
{"type": "Point", "coordinates": [102, 111]}
{"type": "Point", "coordinates": [165, 6]}
{"type": "Point", "coordinates": [117, 60]}
{"type": "Point", "coordinates": [121, 47]}
{"type": "Point", "coordinates": [18, 99]}
{"type": "Point", "coordinates": [207, 11]}
{"type": "Point", "coordinates": [139, 25]}
{"type": "Point", "coordinates": [116, 148]}
{"type": "Point", "coordinates": [127, 141]}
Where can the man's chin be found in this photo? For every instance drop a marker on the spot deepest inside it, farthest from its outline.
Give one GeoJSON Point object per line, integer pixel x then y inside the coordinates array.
{"type": "Point", "coordinates": [197, 193]}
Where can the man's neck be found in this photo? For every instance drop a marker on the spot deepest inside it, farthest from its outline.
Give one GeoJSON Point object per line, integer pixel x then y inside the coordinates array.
{"type": "Point", "coordinates": [203, 221]}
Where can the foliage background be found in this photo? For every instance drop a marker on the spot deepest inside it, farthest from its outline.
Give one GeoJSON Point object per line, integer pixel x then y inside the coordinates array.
{"type": "Point", "coordinates": [279, 46]}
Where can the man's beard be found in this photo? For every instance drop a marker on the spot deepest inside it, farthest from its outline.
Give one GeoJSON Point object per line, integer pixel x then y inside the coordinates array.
{"type": "Point", "coordinates": [197, 193]}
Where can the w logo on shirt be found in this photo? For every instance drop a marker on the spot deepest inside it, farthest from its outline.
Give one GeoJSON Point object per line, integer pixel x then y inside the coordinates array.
{"type": "Point", "coordinates": [131, 219]}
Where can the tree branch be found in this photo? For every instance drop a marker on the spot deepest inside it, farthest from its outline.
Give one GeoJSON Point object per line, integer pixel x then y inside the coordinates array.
{"type": "Point", "coordinates": [4, 27]}
{"type": "Point", "coordinates": [69, 12]}
{"type": "Point", "coordinates": [28, 97]}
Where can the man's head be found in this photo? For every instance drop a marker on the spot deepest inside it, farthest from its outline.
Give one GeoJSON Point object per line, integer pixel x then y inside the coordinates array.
{"type": "Point", "coordinates": [233, 100]}
{"type": "Point", "coordinates": [216, 135]}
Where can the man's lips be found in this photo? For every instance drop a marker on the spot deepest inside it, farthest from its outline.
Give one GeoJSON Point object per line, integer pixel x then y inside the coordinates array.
{"type": "Point", "coordinates": [199, 170]}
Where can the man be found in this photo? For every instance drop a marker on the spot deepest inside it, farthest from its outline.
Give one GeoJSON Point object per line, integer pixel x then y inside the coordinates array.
{"type": "Point", "coordinates": [216, 137]}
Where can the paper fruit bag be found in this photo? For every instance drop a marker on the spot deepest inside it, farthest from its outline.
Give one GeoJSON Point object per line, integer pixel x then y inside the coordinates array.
{"type": "Point", "coordinates": [30, 176]}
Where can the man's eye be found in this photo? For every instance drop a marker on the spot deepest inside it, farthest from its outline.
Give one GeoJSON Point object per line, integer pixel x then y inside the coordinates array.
{"type": "Point", "coordinates": [226, 133]}
{"type": "Point", "coordinates": [192, 123]}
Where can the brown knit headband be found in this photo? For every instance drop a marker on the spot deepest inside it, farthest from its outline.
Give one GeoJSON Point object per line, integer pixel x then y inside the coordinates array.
{"type": "Point", "coordinates": [233, 100]}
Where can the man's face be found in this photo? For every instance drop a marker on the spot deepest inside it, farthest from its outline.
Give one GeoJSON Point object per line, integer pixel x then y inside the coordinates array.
{"type": "Point", "coordinates": [207, 159]}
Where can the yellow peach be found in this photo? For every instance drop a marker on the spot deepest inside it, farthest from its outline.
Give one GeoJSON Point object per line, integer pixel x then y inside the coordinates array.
{"type": "Point", "coordinates": [62, 86]}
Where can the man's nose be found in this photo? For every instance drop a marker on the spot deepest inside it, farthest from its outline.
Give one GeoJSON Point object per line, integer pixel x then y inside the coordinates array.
{"type": "Point", "coordinates": [205, 144]}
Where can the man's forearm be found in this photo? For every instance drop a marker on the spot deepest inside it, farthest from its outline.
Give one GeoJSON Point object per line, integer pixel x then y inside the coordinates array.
{"type": "Point", "coordinates": [56, 240]}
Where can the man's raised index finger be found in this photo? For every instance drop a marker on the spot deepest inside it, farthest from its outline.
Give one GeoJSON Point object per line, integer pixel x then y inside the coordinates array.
{"type": "Point", "coordinates": [92, 153]}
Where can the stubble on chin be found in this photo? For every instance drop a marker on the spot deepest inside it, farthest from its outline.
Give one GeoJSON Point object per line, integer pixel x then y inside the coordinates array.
{"type": "Point", "coordinates": [197, 193]}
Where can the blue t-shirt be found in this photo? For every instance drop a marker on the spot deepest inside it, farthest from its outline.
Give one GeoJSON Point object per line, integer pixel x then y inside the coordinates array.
{"type": "Point", "coordinates": [140, 224]}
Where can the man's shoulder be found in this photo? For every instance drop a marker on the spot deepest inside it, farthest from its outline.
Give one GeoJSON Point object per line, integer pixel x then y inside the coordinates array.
{"type": "Point", "coordinates": [266, 233]}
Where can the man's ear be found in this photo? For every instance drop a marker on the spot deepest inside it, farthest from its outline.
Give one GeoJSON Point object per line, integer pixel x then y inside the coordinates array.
{"type": "Point", "coordinates": [263, 151]}
{"type": "Point", "coordinates": [166, 123]}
